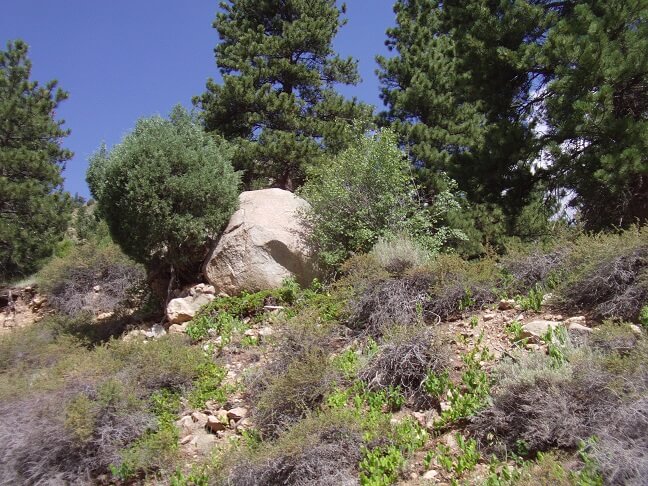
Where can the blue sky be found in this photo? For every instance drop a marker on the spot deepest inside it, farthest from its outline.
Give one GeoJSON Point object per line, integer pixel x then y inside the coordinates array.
{"type": "Point", "coordinates": [124, 59]}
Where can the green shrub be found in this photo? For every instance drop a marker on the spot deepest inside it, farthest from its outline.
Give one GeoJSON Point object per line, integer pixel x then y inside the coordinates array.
{"type": "Point", "coordinates": [165, 191]}
{"type": "Point", "coordinates": [366, 193]}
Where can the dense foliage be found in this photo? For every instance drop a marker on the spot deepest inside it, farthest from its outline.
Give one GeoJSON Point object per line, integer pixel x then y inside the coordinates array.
{"type": "Point", "coordinates": [277, 100]}
{"type": "Point", "coordinates": [597, 109]}
{"type": "Point", "coordinates": [165, 191]}
{"type": "Point", "coordinates": [33, 208]}
{"type": "Point", "coordinates": [366, 193]}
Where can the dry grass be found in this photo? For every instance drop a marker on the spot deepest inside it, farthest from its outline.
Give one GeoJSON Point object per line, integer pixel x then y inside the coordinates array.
{"type": "Point", "coordinates": [93, 278]}
{"type": "Point", "coordinates": [319, 451]}
{"type": "Point", "coordinates": [403, 361]}
{"type": "Point", "coordinates": [540, 405]}
{"type": "Point", "coordinates": [608, 275]}
{"type": "Point", "coordinates": [394, 301]}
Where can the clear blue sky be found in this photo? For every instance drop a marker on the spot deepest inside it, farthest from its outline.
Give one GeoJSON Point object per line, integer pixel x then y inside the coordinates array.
{"type": "Point", "coordinates": [124, 59]}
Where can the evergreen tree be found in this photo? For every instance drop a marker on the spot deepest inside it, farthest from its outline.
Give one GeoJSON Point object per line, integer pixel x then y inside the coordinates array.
{"type": "Point", "coordinates": [457, 93]}
{"type": "Point", "coordinates": [277, 100]}
{"type": "Point", "coordinates": [596, 104]}
{"type": "Point", "coordinates": [166, 191]}
{"type": "Point", "coordinates": [33, 209]}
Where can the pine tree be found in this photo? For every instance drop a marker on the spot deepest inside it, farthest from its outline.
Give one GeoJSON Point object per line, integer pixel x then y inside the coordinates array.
{"type": "Point", "coordinates": [457, 92]}
{"type": "Point", "coordinates": [596, 96]}
{"type": "Point", "coordinates": [277, 100]}
{"type": "Point", "coordinates": [33, 209]}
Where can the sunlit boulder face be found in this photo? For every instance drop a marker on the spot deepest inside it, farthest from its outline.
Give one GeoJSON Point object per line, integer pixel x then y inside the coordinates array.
{"type": "Point", "coordinates": [263, 244]}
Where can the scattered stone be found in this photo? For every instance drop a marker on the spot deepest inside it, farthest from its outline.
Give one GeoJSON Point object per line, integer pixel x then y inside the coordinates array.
{"type": "Point", "coordinates": [636, 329]}
{"type": "Point", "coordinates": [186, 440]}
{"type": "Point", "coordinates": [96, 288]}
{"type": "Point", "coordinates": [134, 335]}
{"type": "Point", "coordinates": [158, 331]}
{"type": "Point", "coordinates": [546, 298]}
{"type": "Point", "coordinates": [237, 413]}
{"type": "Point", "coordinates": [506, 304]}
{"type": "Point", "coordinates": [576, 320]}
{"type": "Point", "coordinates": [273, 307]}
{"type": "Point", "coordinates": [183, 309]}
{"type": "Point", "coordinates": [199, 418]}
{"type": "Point", "coordinates": [262, 245]}
{"type": "Point", "coordinates": [266, 331]}
{"type": "Point", "coordinates": [214, 424]}
{"type": "Point", "coordinates": [202, 288]}
{"type": "Point", "coordinates": [534, 330]}
{"type": "Point", "coordinates": [489, 316]}
{"type": "Point", "coordinates": [250, 333]}
{"type": "Point", "coordinates": [178, 328]}
{"type": "Point", "coordinates": [578, 328]}
{"type": "Point", "coordinates": [533, 347]}
{"type": "Point", "coordinates": [186, 423]}
{"type": "Point", "coordinates": [431, 474]}
{"type": "Point", "coordinates": [445, 406]}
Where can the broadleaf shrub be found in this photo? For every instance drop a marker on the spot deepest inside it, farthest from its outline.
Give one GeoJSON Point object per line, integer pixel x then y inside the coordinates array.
{"type": "Point", "coordinates": [366, 193]}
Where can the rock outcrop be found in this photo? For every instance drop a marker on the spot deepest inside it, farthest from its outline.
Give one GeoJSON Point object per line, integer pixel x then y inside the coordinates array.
{"type": "Point", "coordinates": [262, 245]}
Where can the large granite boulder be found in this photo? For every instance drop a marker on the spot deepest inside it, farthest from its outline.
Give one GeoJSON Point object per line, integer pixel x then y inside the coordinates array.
{"type": "Point", "coordinates": [262, 245]}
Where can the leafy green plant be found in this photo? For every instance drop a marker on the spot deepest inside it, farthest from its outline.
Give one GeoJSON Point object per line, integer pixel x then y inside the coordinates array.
{"type": "Point", "coordinates": [457, 464]}
{"type": "Point", "coordinates": [208, 386]}
{"type": "Point", "coordinates": [380, 466]}
{"type": "Point", "coordinates": [222, 324]}
{"type": "Point", "coordinates": [533, 300]}
{"type": "Point", "coordinates": [472, 392]}
{"type": "Point", "coordinates": [366, 193]}
{"type": "Point", "coordinates": [556, 339]}
{"type": "Point", "coordinates": [474, 321]}
{"type": "Point", "coordinates": [643, 316]}
{"type": "Point", "coordinates": [436, 384]}
{"type": "Point", "coordinates": [515, 332]}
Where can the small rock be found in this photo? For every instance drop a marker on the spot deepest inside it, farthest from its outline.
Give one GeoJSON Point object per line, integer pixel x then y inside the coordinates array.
{"type": "Point", "coordinates": [178, 328]}
{"type": "Point", "coordinates": [105, 315]}
{"type": "Point", "coordinates": [237, 413]}
{"type": "Point", "coordinates": [186, 423]}
{"type": "Point", "coordinates": [266, 331]}
{"type": "Point", "coordinates": [273, 307]}
{"type": "Point", "coordinates": [158, 331]}
{"type": "Point", "coordinates": [420, 417]}
{"type": "Point", "coordinates": [636, 329]}
{"type": "Point", "coordinates": [536, 329]}
{"type": "Point", "coordinates": [506, 304]}
{"type": "Point", "coordinates": [533, 347]}
{"type": "Point", "coordinates": [199, 418]}
{"type": "Point", "coordinates": [135, 334]}
{"type": "Point", "coordinates": [186, 440]}
{"type": "Point", "coordinates": [546, 298]}
{"type": "Point", "coordinates": [445, 406]}
{"type": "Point", "coordinates": [431, 474]}
{"type": "Point", "coordinates": [97, 288]}
{"type": "Point", "coordinates": [578, 328]}
{"type": "Point", "coordinates": [250, 333]}
{"type": "Point", "coordinates": [489, 316]}
{"type": "Point", "coordinates": [576, 320]}
{"type": "Point", "coordinates": [214, 424]}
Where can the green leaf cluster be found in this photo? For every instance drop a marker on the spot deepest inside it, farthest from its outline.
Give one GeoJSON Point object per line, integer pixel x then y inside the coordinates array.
{"type": "Point", "coordinates": [165, 191]}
